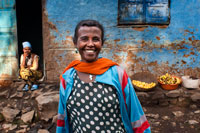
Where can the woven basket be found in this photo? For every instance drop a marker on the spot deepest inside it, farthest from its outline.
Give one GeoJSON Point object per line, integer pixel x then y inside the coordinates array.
{"type": "Point", "coordinates": [144, 77]}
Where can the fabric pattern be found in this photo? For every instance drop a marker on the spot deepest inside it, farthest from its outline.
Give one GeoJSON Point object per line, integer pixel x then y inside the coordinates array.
{"type": "Point", "coordinates": [30, 76]}
{"type": "Point", "coordinates": [133, 117]}
{"type": "Point", "coordinates": [98, 67]}
{"type": "Point", "coordinates": [94, 107]}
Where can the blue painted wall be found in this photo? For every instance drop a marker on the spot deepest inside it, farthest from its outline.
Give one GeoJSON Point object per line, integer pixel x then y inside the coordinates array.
{"type": "Point", "coordinates": [8, 41]}
{"type": "Point", "coordinates": [174, 48]}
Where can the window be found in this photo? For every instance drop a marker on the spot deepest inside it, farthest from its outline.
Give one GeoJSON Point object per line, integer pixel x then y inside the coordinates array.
{"type": "Point", "coordinates": [143, 12]}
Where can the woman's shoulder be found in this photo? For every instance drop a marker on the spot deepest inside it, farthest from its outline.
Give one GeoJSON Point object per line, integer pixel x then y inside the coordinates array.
{"type": "Point", "coordinates": [117, 68]}
{"type": "Point", "coordinates": [67, 74]}
{"type": "Point", "coordinates": [120, 71]}
{"type": "Point", "coordinates": [69, 71]}
{"type": "Point", "coordinates": [34, 55]}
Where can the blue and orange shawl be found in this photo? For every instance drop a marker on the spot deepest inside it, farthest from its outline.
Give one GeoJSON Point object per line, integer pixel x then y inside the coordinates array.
{"type": "Point", "coordinates": [98, 67]}
{"type": "Point", "coordinates": [107, 72]}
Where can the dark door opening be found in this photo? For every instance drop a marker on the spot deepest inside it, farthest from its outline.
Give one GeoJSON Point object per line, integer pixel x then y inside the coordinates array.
{"type": "Point", "coordinates": [29, 26]}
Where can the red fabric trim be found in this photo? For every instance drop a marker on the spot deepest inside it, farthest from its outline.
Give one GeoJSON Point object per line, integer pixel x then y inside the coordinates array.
{"type": "Point", "coordinates": [63, 83]}
{"type": "Point", "coordinates": [60, 123]}
{"type": "Point", "coordinates": [142, 128]}
{"type": "Point", "coordinates": [124, 83]}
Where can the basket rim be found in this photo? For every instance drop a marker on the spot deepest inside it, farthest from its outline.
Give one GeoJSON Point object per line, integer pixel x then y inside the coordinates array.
{"type": "Point", "coordinates": [136, 76]}
{"type": "Point", "coordinates": [143, 89]}
{"type": "Point", "coordinates": [153, 77]}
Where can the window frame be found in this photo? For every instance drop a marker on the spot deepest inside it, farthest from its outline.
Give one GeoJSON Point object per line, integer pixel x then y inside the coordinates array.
{"type": "Point", "coordinates": [145, 19]}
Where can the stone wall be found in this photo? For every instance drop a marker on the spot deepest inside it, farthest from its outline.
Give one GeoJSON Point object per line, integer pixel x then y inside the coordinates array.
{"type": "Point", "coordinates": [179, 97]}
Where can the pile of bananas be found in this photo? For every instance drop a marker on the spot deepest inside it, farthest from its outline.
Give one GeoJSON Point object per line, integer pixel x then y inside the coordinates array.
{"type": "Point", "coordinates": [143, 84]}
{"type": "Point", "coordinates": [168, 79]}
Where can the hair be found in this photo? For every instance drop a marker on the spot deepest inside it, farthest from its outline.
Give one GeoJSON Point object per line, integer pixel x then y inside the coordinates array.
{"type": "Point", "coordinates": [89, 23]}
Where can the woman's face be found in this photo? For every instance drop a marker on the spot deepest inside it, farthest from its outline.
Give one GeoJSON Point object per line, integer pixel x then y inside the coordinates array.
{"type": "Point", "coordinates": [89, 43]}
{"type": "Point", "coordinates": [27, 51]}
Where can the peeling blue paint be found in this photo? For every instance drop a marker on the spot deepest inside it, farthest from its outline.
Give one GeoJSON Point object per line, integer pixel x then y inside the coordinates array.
{"type": "Point", "coordinates": [167, 45]}
{"type": "Point", "coordinates": [8, 40]}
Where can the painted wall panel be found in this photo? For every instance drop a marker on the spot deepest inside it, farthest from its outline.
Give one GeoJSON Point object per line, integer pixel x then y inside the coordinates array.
{"type": "Point", "coordinates": [130, 13]}
{"type": "Point", "coordinates": [144, 12]}
{"type": "Point", "coordinates": [173, 48]}
{"type": "Point", "coordinates": [157, 13]}
{"type": "Point", "coordinates": [8, 40]}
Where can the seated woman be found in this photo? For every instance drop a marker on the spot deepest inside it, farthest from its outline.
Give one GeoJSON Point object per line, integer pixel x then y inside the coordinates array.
{"type": "Point", "coordinates": [29, 63]}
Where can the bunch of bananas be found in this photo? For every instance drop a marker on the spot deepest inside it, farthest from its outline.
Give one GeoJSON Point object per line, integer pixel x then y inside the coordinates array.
{"type": "Point", "coordinates": [143, 84]}
{"type": "Point", "coordinates": [168, 79]}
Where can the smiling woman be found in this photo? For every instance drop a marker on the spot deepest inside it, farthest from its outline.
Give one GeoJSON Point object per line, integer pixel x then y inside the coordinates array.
{"type": "Point", "coordinates": [96, 94]}
{"type": "Point", "coordinates": [89, 43]}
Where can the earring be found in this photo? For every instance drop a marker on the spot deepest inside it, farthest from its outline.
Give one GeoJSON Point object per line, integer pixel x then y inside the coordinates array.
{"type": "Point", "coordinates": [76, 51]}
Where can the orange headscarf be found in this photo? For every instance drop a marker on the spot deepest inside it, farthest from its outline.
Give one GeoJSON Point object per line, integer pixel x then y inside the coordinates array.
{"type": "Point", "coordinates": [98, 67]}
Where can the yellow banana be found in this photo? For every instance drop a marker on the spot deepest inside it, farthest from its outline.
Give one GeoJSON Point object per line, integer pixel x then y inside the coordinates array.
{"type": "Point", "coordinates": [143, 84]}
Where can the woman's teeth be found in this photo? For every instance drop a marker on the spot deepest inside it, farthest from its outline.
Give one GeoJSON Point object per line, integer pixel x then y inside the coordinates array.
{"type": "Point", "coordinates": [89, 51]}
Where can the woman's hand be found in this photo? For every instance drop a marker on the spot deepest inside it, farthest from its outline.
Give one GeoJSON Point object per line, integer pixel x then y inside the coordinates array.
{"type": "Point", "coordinates": [25, 55]}
{"type": "Point", "coordinates": [23, 65]}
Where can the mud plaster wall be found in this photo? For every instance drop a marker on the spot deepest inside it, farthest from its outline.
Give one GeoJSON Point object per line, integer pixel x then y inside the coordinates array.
{"type": "Point", "coordinates": [174, 48]}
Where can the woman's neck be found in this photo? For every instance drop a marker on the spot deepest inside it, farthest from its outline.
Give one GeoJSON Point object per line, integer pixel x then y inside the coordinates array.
{"type": "Point", "coordinates": [86, 77]}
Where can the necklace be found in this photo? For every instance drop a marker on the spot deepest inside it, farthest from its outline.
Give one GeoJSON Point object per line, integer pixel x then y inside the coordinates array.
{"type": "Point", "coordinates": [90, 77]}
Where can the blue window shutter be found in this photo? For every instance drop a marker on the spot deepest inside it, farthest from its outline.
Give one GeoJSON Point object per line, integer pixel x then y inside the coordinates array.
{"type": "Point", "coordinates": [157, 12]}
{"type": "Point", "coordinates": [131, 11]}
{"type": "Point", "coordinates": [143, 12]}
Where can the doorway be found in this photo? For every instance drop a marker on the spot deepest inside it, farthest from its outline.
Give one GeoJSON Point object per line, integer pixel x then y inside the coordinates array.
{"type": "Point", "coordinates": [29, 26]}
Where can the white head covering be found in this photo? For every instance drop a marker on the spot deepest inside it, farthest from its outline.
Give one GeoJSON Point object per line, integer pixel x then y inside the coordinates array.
{"type": "Point", "coordinates": [26, 44]}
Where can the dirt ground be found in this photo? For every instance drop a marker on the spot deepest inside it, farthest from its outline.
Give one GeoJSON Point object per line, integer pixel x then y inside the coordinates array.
{"type": "Point", "coordinates": [173, 124]}
{"type": "Point", "coordinates": [159, 125]}
{"type": "Point", "coordinates": [161, 119]}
